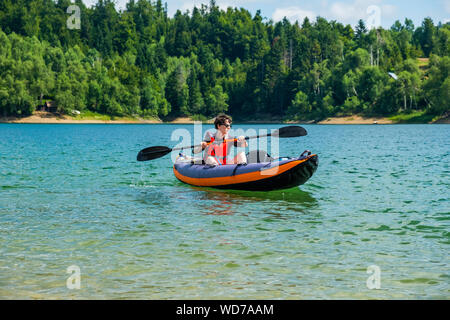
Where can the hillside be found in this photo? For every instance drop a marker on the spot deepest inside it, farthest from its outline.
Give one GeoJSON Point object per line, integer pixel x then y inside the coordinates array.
{"type": "Point", "coordinates": [141, 63]}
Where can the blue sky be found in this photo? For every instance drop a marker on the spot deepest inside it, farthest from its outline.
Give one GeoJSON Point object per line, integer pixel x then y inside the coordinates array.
{"type": "Point", "coordinates": [374, 12]}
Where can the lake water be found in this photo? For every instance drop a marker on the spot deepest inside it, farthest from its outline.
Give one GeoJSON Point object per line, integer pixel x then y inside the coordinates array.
{"type": "Point", "coordinates": [376, 212]}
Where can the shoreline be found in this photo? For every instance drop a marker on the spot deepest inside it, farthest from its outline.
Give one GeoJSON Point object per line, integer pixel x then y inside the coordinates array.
{"type": "Point", "coordinates": [40, 117]}
{"type": "Point", "coordinates": [356, 119]}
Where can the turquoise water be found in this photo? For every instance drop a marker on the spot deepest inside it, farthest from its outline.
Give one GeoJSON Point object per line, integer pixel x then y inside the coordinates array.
{"type": "Point", "coordinates": [75, 195]}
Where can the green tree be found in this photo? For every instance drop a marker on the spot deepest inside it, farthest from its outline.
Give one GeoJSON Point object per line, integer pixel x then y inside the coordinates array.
{"type": "Point", "coordinates": [300, 106]}
{"type": "Point", "coordinates": [177, 91]}
{"type": "Point", "coordinates": [216, 101]}
{"type": "Point", "coordinates": [196, 103]}
{"type": "Point", "coordinates": [370, 87]}
{"type": "Point", "coordinates": [427, 36]}
{"type": "Point", "coordinates": [360, 33]}
{"type": "Point", "coordinates": [409, 80]}
{"type": "Point", "coordinates": [351, 105]}
{"type": "Point", "coordinates": [437, 85]}
{"type": "Point", "coordinates": [153, 102]}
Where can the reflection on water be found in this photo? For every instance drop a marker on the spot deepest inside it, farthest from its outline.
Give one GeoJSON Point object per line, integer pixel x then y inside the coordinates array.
{"type": "Point", "coordinates": [293, 195]}
{"type": "Point", "coordinates": [212, 201]}
{"type": "Point", "coordinates": [223, 208]}
{"type": "Point", "coordinates": [224, 202]}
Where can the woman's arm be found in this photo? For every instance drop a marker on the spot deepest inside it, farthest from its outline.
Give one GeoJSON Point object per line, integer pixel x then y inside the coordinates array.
{"type": "Point", "coordinates": [205, 142]}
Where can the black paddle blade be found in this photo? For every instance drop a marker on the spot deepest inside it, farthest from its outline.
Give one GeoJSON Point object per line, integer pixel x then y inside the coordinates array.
{"type": "Point", "coordinates": [290, 132]}
{"type": "Point", "coordinates": [152, 153]}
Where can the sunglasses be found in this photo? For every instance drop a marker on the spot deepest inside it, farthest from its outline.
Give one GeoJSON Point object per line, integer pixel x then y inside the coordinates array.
{"type": "Point", "coordinates": [227, 125]}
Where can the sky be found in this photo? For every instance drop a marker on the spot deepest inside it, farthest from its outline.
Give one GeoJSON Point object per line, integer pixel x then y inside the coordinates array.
{"type": "Point", "coordinates": [374, 12]}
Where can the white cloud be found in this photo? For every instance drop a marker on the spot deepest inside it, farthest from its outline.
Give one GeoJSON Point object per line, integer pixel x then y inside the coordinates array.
{"type": "Point", "coordinates": [184, 5]}
{"type": "Point", "coordinates": [293, 14]}
{"type": "Point", "coordinates": [351, 11]}
{"type": "Point", "coordinates": [344, 11]}
{"type": "Point", "coordinates": [359, 9]}
{"type": "Point", "coordinates": [188, 5]}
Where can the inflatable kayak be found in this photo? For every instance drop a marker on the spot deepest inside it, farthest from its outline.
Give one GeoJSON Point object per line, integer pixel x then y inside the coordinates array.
{"type": "Point", "coordinates": [268, 174]}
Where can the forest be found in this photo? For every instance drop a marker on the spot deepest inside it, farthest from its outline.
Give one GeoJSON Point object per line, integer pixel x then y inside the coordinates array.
{"type": "Point", "coordinates": [139, 62]}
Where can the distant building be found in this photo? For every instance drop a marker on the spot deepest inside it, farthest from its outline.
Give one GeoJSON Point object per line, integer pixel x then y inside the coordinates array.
{"type": "Point", "coordinates": [49, 106]}
{"type": "Point", "coordinates": [393, 75]}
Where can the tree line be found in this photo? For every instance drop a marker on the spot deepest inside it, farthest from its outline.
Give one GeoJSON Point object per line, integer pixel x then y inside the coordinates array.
{"type": "Point", "coordinates": [141, 62]}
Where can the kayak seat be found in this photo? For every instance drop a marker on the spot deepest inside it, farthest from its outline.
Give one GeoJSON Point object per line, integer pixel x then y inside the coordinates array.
{"type": "Point", "coordinates": [258, 156]}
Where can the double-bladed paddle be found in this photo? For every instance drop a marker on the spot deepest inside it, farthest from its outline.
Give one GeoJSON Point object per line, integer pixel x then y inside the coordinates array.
{"type": "Point", "coordinates": [151, 153]}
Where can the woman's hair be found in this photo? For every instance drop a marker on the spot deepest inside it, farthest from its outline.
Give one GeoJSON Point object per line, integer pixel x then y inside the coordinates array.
{"type": "Point", "coordinates": [221, 119]}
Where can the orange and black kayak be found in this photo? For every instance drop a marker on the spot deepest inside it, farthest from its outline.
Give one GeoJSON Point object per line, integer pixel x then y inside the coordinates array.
{"type": "Point", "coordinates": [276, 174]}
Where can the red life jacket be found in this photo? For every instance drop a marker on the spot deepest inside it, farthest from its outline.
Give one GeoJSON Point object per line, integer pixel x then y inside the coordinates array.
{"type": "Point", "coordinates": [218, 151]}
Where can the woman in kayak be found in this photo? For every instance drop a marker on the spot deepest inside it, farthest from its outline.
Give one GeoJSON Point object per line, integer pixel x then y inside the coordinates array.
{"type": "Point", "coordinates": [216, 150]}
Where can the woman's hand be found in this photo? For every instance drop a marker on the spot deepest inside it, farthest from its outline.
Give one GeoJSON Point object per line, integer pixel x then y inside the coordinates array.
{"type": "Point", "coordinates": [200, 148]}
{"type": "Point", "coordinates": [241, 141]}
